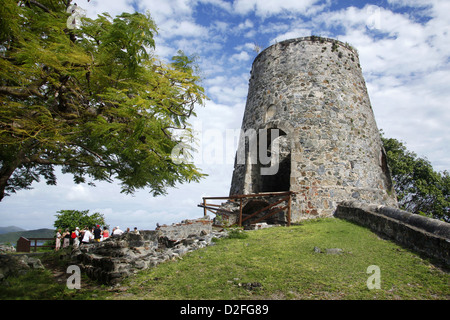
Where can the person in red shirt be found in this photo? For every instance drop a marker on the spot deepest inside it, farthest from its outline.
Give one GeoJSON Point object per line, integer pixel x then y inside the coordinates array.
{"type": "Point", "coordinates": [105, 233]}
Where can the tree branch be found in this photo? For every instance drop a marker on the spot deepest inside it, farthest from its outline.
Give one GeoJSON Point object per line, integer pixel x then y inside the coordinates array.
{"type": "Point", "coordinates": [40, 5]}
{"type": "Point", "coordinates": [20, 92]}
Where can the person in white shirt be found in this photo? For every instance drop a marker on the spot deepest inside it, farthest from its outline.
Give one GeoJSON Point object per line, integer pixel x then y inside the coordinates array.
{"type": "Point", "coordinates": [87, 236]}
{"type": "Point", "coordinates": [117, 232]}
{"type": "Point", "coordinates": [58, 240]}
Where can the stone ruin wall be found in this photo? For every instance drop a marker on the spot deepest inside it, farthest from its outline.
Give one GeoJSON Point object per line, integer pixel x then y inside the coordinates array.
{"type": "Point", "coordinates": [314, 91]}
{"type": "Point", "coordinates": [112, 260]}
{"type": "Point", "coordinates": [429, 237]}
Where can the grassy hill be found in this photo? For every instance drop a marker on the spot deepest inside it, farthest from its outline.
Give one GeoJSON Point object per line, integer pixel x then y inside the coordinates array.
{"type": "Point", "coordinates": [10, 229]}
{"type": "Point", "coordinates": [281, 263]}
{"type": "Point", "coordinates": [277, 263]}
{"type": "Point", "coordinates": [12, 237]}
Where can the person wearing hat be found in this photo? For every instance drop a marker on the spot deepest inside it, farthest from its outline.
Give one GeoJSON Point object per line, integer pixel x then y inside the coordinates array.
{"type": "Point", "coordinates": [97, 233]}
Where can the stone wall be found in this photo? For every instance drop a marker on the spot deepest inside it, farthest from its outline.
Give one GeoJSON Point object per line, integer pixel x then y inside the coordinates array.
{"type": "Point", "coordinates": [430, 237]}
{"type": "Point", "coordinates": [312, 90]}
{"type": "Point", "coordinates": [13, 265]}
{"type": "Point", "coordinates": [112, 260]}
{"type": "Point", "coordinates": [182, 230]}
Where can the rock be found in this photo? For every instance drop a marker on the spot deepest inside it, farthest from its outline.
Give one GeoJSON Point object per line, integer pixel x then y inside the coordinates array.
{"type": "Point", "coordinates": [335, 251]}
{"type": "Point", "coordinates": [329, 251]}
{"type": "Point", "coordinates": [252, 285]}
{"type": "Point", "coordinates": [260, 225]}
{"type": "Point", "coordinates": [11, 265]}
{"type": "Point", "coordinates": [35, 263]}
{"type": "Point", "coordinates": [6, 249]}
{"type": "Point", "coordinates": [111, 260]}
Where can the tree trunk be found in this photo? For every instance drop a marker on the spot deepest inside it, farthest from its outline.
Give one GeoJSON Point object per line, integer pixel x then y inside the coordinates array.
{"type": "Point", "coordinates": [5, 174]}
{"type": "Point", "coordinates": [7, 170]}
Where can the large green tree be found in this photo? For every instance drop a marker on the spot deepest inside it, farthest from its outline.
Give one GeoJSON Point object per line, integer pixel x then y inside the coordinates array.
{"type": "Point", "coordinates": [93, 100]}
{"type": "Point", "coordinates": [71, 219]}
{"type": "Point", "coordinates": [420, 189]}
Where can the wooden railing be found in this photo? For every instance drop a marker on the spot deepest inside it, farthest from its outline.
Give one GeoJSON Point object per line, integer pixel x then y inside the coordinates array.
{"type": "Point", "coordinates": [24, 244]}
{"type": "Point", "coordinates": [272, 208]}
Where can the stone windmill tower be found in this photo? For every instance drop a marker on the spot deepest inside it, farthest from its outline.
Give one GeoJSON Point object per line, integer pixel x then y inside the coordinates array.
{"type": "Point", "coordinates": [308, 112]}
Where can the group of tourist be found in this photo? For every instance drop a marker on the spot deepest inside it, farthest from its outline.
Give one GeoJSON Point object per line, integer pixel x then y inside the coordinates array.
{"type": "Point", "coordinates": [86, 235]}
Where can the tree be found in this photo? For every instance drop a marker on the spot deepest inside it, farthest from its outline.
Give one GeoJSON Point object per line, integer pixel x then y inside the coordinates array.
{"type": "Point", "coordinates": [71, 219]}
{"type": "Point", "coordinates": [419, 188]}
{"type": "Point", "coordinates": [93, 100]}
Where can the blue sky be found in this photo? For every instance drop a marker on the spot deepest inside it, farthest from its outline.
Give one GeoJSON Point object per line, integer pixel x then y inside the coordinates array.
{"type": "Point", "coordinates": [404, 50]}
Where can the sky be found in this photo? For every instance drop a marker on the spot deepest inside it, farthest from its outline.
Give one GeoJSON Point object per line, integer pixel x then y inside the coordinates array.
{"type": "Point", "coordinates": [404, 51]}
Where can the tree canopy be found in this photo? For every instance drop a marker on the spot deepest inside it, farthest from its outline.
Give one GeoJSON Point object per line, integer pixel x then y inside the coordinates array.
{"type": "Point", "coordinates": [420, 189]}
{"type": "Point", "coordinates": [70, 219]}
{"type": "Point", "coordinates": [93, 100]}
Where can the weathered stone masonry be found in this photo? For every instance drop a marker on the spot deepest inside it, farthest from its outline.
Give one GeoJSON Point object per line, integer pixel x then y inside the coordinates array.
{"type": "Point", "coordinates": [312, 90]}
{"type": "Point", "coordinates": [430, 237]}
{"type": "Point", "coordinates": [112, 260]}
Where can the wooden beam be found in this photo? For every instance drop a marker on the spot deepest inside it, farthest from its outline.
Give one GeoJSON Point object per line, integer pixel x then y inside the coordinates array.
{"type": "Point", "coordinates": [211, 208]}
{"type": "Point", "coordinates": [263, 209]}
{"type": "Point", "coordinates": [240, 213]}
{"type": "Point", "coordinates": [289, 211]}
{"type": "Point", "coordinates": [270, 214]}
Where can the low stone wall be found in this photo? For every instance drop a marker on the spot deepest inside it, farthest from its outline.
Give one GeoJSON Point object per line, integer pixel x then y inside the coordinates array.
{"type": "Point", "coordinates": [112, 260]}
{"type": "Point", "coordinates": [178, 231]}
{"type": "Point", "coordinates": [430, 237]}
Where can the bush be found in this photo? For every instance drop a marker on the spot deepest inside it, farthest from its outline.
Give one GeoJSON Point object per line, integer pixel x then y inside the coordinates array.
{"type": "Point", "coordinates": [237, 233]}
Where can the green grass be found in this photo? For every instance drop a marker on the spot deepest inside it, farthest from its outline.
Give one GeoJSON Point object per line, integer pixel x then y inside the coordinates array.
{"type": "Point", "coordinates": [281, 264]}
{"type": "Point", "coordinates": [34, 285]}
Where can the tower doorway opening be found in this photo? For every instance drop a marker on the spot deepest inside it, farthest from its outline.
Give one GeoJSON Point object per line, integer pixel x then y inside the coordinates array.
{"type": "Point", "coordinates": [274, 176]}
{"type": "Point", "coordinates": [279, 181]}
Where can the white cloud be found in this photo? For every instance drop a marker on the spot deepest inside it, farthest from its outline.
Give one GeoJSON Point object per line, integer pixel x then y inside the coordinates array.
{"type": "Point", "coordinates": [79, 192]}
{"type": "Point", "coordinates": [266, 8]}
{"type": "Point", "coordinates": [247, 24]}
{"type": "Point", "coordinates": [241, 56]}
{"type": "Point", "coordinates": [403, 44]}
{"type": "Point", "coordinates": [167, 9]}
{"type": "Point", "coordinates": [228, 90]}
{"type": "Point", "coordinates": [249, 46]}
{"type": "Point", "coordinates": [174, 28]}
{"type": "Point", "coordinates": [219, 27]}
{"type": "Point", "coordinates": [417, 113]}
{"type": "Point", "coordinates": [222, 4]}
{"type": "Point", "coordinates": [294, 33]}
{"type": "Point", "coordinates": [96, 7]}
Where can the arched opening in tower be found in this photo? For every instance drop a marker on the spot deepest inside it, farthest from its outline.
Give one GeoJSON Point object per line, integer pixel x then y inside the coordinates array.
{"type": "Point", "coordinates": [279, 181]}
{"type": "Point", "coordinates": [274, 176]}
